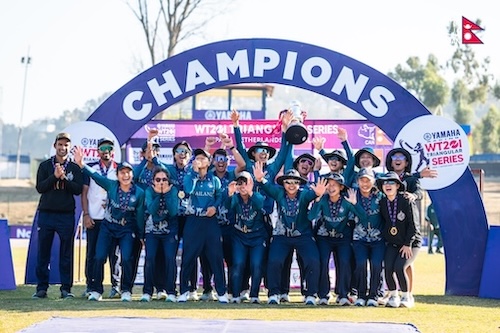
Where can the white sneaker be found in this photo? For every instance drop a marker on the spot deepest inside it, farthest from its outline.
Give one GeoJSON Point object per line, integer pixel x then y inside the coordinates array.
{"type": "Point", "coordinates": [245, 295]}
{"type": "Point", "coordinates": [254, 300]}
{"type": "Point", "coordinates": [171, 298]}
{"type": "Point", "coordinates": [193, 296]}
{"type": "Point", "coordinates": [393, 302]}
{"type": "Point", "coordinates": [206, 297]}
{"type": "Point", "coordinates": [310, 300]}
{"type": "Point", "coordinates": [224, 299]}
{"type": "Point", "coordinates": [383, 300]}
{"type": "Point", "coordinates": [236, 300]}
{"type": "Point", "coordinates": [126, 296]}
{"type": "Point", "coordinates": [284, 298]}
{"type": "Point", "coordinates": [344, 301]}
{"type": "Point", "coordinates": [352, 298]}
{"type": "Point", "coordinates": [274, 299]}
{"type": "Point", "coordinates": [161, 295]}
{"type": "Point", "coordinates": [145, 298]}
{"type": "Point", "coordinates": [323, 301]}
{"type": "Point", "coordinates": [360, 302]}
{"type": "Point", "coordinates": [372, 302]}
{"type": "Point", "coordinates": [95, 296]}
{"type": "Point", "coordinates": [183, 297]}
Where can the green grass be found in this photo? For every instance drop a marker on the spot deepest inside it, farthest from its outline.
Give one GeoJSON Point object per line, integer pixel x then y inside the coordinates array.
{"type": "Point", "coordinates": [433, 312]}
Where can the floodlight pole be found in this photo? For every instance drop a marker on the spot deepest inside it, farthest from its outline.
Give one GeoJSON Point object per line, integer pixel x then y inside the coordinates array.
{"type": "Point", "coordinates": [26, 61]}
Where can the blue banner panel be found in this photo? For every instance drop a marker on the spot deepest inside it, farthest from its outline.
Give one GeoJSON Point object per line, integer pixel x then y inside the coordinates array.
{"type": "Point", "coordinates": [7, 278]}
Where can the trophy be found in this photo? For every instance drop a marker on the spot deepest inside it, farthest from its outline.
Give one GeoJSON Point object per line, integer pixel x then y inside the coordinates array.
{"type": "Point", "coordinates": [296, 132]}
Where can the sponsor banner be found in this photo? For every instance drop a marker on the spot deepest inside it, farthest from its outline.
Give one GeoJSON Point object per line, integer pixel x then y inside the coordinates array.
{"type": "Point", "coordinates": [7, 278]}
{"type": "Point", "coordinates": [439, 143]}
{"type": "Point", "coordinates": [226, 114]}
{"type": "Point", "coordinates": [20, 231]}
{"type": "Point", "coordinates": [360, 133]}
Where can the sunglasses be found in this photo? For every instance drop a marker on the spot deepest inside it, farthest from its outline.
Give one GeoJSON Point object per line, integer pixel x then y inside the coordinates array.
{"type": "Point", "coordinates": [261, 150]}
{"type": "Point", "coordinates": [106, 148]}
{"type": "Point", "coordinates": [291, 182]}
{"type": "Point", "coordinates": [398, 158]}
{"type": "Point", "coordinates": [334, 158]}
{"type": "Point", "coordinates": [158, 179]}
{"type": "Point", "coordinates": [241, 182]}
{"type": "Point", "coordinates": [390, 182]}
{"type": "Point", "coordinates": [309, 162]}
{"type": "Point", "coordinates": [220, 158]}
{"type": "Point", "coordinates": [181, 151]}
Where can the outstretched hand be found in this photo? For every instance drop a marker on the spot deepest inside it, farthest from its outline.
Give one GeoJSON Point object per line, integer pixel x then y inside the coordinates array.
{"type": "Point", "coordinates": [320, 187]}
{"type": "Point", "coordinates": [351, 196]}
{"type": "Point", "coordinates": [258, 171]}
{"type": "Point", "coordinates": [78, 156]}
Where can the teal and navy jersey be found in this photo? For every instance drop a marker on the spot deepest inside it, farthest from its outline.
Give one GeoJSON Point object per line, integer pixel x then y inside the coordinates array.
{"type": "Point", "coordinates": [162, 210]}
{"type": "Point", "coordinates": [348, 172]}
{"type": "Point", "coordinates": [127, 212]}
{"type": "Point", "coordinates": [292, 213]}
{"type": "Point", "coordinates": [369, 225]}
{"type": "Point", "coordinates": [271, 168]}
{"type": "Point", "coordinates": [332, 218]}
{"type": "Point", "coordinates": [176, 176]}
{"type": "Point", "coordinates": [249, 216]}
{"type": "Point", "coordinates": [225, 216]}
{"type": "Point", "coordinates": [203, 192]}
{"type": "Point", "coordinates": [143, 176]}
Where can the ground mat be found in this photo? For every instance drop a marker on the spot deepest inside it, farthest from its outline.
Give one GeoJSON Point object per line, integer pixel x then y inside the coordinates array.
{"type": "Point", "coordinates": [186, 325]}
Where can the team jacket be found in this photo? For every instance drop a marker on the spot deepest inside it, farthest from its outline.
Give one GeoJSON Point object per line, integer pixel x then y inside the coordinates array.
{"type": "Point", "coordinates": [131, 217]}
{"type": "Point", "coordinates": [329, 224]}
{"type": "Point", "coordinates": [203, 193]}
{"type": "Point", "coordinates": [290, 223]}
{"type": "Point", "coordinates": [271, 168]}
{"type": "Point", "coordinates": [162, 209]}
{"type": "Point", "coordinates": [249, 216]}
{"type": "Point", "coordinates": [57, 195]}
{"type": "Point", "coordinates": [97, 197]}
{"type": "Point", "coordinates": [369, 225]}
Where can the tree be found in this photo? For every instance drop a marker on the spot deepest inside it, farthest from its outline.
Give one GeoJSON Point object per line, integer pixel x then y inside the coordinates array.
{"type": "Point", "coordinates": [490, 130]}
{"type": "Point", "coordinates": [425, 81]}
{"type": "Point", "coordinates": [166, 23]}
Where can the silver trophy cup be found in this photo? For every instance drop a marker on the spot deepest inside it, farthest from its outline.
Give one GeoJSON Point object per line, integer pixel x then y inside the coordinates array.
{"type": "Point", "coordinates": [296, 132]}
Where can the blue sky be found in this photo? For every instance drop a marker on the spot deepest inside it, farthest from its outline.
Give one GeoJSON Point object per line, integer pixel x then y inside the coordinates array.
{"type": "Point", "coordinates": [81, 49]}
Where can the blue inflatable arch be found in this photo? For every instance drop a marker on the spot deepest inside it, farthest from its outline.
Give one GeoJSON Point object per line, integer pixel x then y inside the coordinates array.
{"type": "Point", "coordinates": [368, 92]}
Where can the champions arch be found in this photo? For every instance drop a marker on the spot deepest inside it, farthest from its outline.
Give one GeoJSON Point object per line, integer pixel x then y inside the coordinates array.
{"type": "Point", "coordinates": [368, 92]}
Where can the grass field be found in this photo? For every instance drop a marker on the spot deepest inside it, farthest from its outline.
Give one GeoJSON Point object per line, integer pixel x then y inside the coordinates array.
{"type": "Point", "coordinates": [433, 312]}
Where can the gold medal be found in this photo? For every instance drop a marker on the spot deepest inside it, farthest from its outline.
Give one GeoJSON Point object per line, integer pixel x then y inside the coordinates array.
{"type": "Point", "coordinates": [393, 231]}
{"type": "Point", "coordinates": [123, 221]}
{"type": "Point", "coordinates": [181, 195]}
{"type": "Point", "coordinates": [245, 229]}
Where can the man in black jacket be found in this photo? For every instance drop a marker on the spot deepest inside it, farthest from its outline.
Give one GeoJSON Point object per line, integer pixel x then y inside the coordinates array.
{"type": "Point", "coordinates": [58, 180]}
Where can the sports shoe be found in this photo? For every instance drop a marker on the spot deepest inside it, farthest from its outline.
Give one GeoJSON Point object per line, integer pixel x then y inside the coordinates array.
{"type": "Point", "coordinates": [310, 300]}
{"type": "Point", "coordinates": [95, 296]}
{"type": "Point", "coordinates": [344, 301]}
{"type": "Point", "coordinates": [352, 298]}
{"type": "Point", "coordinates": [254, 300]}
{"type": "Point", "coordinates": [126, 296]}
{"type": "Point", "coordinates": [236, 300]}
{"type": "Point", "coordinates": [183, 297]}
{"type": "Point", "coordinates": [144, 298]}
{"type": "Point", "coordinates": [406, 302]}
{"type": "Point", "coordinates": [393, 302]}
{"type": "Point", "coordinates": [161, 295]}
{"type": "Point", "coordinates": [224, 299]}
{"type": "Point", "coordinates": [439, 251]}
{"type": "Point", "coordinates": [383, 300]}
{"type": "Point", "coordinates": [114, 292]}
{"type": "Point", "coordinates": [171, 298]}
{"type": "Point", "coordinates": [360, 302]}
{"type": "Point", "coordinates": [86, 293]}
{"type": "Point", "coordinates": [40, 294]}
{"type": "Point", "coordinates": [323, 301]}
{"type": "Point", "coordinates": [207, 297]}
{"type": "Point", "coordinates": [193, 296]}
{"type": "Point", "coordinates": [245, 295]}
{"type": "Point", "coordinates": [284, 298]}
{"type": "Point", "coordinates": [372, 302]}
{"type": "Point", "coordinates": [274, 299]}
{"type": "Point", "coordinates": [66, 294]}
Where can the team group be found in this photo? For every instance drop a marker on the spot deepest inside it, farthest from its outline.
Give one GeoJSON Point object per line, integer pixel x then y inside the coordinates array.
{"type": "Point", "coordinates": [252, 219]}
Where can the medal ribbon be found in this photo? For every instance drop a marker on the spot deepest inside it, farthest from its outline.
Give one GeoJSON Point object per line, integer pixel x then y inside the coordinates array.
{"type": "Point", "coordinates": [124, 199]}
{"type": "Point", "coordinates": [366, 202]}
{"type": "Point", "coordinates": [392, 207]}
{"type": "Point", "coordinates": [334, 207]}
{"type": "Point", "coordinates": [64, 165]}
